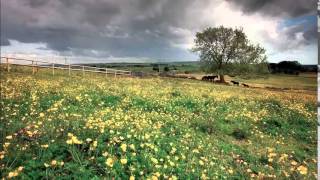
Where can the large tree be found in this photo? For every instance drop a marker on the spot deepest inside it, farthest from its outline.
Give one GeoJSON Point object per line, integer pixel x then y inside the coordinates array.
{"type": "Point", "coordinates": [226, 50]}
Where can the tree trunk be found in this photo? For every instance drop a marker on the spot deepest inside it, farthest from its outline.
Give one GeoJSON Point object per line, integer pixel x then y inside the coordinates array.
{"type": "Point", "coordinates": [222, 80]}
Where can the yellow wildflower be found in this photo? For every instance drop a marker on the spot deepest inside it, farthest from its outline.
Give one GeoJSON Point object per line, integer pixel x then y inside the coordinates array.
{"type": "Point", "coordinates": [302, 169]}
{"type": "Point", "coordinates": [12, 174]}
{"type": "Point", "coordinates": [195, 151]}
{"type": "Point", "coordinates": [203, 176]}
{"type": "Point", "coordinates": [45, 146]}
{"type": "Point", "coordinates": [123, 147]}
{"type": "Point", "coordinates": [157, 174]}
{"type": "Point", "coordinates": [53, 162]}
{"type": "Point", "coordinates": [7, 144]}
{"type": "Point", "coordinates": [123, 161]}
{"type": "Point", "coordinates": [173, 178]}
{"type": "Point", "coordinates": [201, 162]}
{"type": "Point", "coordinates": [95, 143]}
{"type": "Point", "coordinates": [132, 146]}
{"type": "Point", "coordinates": [154, 160]}
{"type": "Point", "coordinates": [73, 139]}
{"type": "Point", "coordinates": [109, 162]}
{"type": "Point", "coordinates": [272, 155]}
{"type": "Point", "coordinates": [171, 163]}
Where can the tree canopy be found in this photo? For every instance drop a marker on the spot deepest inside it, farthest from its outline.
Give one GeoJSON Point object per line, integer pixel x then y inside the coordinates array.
{"type": "Point", "coordinates": [226, 50]}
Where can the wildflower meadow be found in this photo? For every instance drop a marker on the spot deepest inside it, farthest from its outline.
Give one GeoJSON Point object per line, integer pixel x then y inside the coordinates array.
{"type": "Point", "coordinates": [153, 128]}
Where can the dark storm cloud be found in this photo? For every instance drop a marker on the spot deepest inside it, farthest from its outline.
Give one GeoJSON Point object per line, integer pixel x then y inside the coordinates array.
{"type": "Point", "coordinates": [36, 3]}
{"type": "Point", "coordinates": [99, 13]}
{"type": "Point", "coordinates": [4, 42]}
{"type": "Point", "coordinates": [291, 8]}
{"type": "Point", "coordinates": [123, 28]}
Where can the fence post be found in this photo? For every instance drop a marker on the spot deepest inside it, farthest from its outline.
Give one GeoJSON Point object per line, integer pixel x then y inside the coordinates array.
{"type": "Point", "coordinates": [115, 73]}
{"type": "Point", "coordinates": [83, 70]}
{"type": "Point", "coordinates": [52, 68]}
{"type": "Point", "coordinates": [69, 70]}
{"type": "Point", "coordinates": [106, 72]}
{"type": "Point", "coordinates": [37, 69]}
{"type": "Point", "coordinates": [8, 66]}
{"type": "Point", "coordinates": [32, 67]}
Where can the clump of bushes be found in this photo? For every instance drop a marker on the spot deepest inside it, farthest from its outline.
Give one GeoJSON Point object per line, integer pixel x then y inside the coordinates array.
{"type": "Point", "coordinates": [239, 134]}
{"type": "Point", "coordinates": [166, 69]}
{"type": "Point", "coordinates": [204, 126]}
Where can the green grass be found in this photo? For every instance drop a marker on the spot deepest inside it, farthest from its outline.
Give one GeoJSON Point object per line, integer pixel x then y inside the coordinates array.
{"type": "Point", "coordinates": [178, 67]}
{"type": "Point", "coordinates": [307, 81]}
{"type": "Point", "coordinates": [152, 128]}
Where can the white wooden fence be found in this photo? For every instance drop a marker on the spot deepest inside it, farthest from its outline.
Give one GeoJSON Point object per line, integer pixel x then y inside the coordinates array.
{"type": "Point", "coordinates": [7, 61]}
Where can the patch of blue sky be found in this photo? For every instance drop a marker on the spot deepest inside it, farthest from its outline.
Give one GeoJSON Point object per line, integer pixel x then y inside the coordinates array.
{"type": "Point", "coordinates": [308, 20]}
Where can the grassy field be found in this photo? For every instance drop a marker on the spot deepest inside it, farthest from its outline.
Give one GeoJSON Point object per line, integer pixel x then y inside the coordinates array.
{"type": "Point", "coordinates": [178, 67]}
{"type": "Point", "coordinates": [304, 81]}
{"type": "Point", "coordinates": [155, 128]}
{"type": "Point", "coordinates": [307, 81]}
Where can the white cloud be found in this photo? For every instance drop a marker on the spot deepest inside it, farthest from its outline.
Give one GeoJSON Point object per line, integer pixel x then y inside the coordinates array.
{"type": "Point", "coordinates": [259, 29]}
{"type": "Point", "coordinates": [222, 14]}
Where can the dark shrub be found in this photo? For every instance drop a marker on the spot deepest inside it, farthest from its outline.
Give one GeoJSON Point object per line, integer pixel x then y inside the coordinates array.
{"type": "Point", "coordinates": [175, 93]}
{"type": "Point", "coordinates": [205, 126]}
{"type": "Point", "coordinates": [264, 160]}
{"type": "Point", "coordinates": [274, 123]}
{"type": "Point", "coordinates": [239, 134]}
{"type": "Point", "coordinates": [155, 68]}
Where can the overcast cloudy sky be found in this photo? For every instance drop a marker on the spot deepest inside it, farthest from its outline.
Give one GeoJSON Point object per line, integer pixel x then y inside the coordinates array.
{"type": "Point", "coordinates": [126, 30]}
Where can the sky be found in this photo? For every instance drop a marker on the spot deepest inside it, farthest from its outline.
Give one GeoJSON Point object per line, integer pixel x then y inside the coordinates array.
{"type": "Point", "coordinates": [152, 30]}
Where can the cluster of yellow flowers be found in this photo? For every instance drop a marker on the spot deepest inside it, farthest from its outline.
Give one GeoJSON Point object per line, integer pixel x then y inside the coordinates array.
{"type": "Point", "coordinates": [54, 163]}
{"type": "Point", "coordinates": [45, 146]}
{"type": "Point", "coordinates": [73, 139]}
{"type": "Point", "coordinates": [135, 122]}
{"type": "Point", "coordinates": [271, 154]}
{"type": "Point", "coordinates": [302, 169]}
{"type": "Point", "coordinates": [15, 172]}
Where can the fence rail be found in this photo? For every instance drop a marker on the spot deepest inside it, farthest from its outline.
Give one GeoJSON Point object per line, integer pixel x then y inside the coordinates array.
{"type": "Point", "coordinates": [70, 67]}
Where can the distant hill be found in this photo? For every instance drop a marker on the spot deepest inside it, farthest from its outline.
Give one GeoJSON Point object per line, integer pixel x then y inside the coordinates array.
{"type": "Point", "coordinates": [288, 67]}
